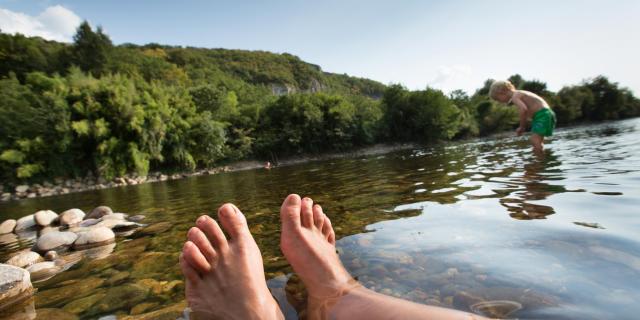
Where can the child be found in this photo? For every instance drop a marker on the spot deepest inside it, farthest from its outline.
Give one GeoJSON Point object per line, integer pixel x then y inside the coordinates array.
{"type": "Point", "coordinates": [530, 106]}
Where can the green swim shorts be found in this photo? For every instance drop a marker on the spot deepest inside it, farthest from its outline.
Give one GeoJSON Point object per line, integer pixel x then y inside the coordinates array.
{"type": "Point", "coordinates": [543, 123]}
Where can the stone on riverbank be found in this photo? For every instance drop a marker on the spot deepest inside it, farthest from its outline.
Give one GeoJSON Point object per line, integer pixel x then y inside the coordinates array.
{"type": "Point", "coordinates": [24, 223]}
{"type": "Point", "coordinates": [55, 240]}
{"type": "Point", "coordinates": [71, 216]}
{"type": "Point", "coordinates": [7, 226]}
{"type": "Point", "coordinates": [99, 212]}
{"type": "Point", "coordinates": [45, 217]}
{"type": "Point", "coordinates": [43, 270]}
{"type": "Point", "coordinates": [24, 259]}
{"type": "Point", "coordinates": [15, 285]}
{"type": "Point", "coordinates": [95, 237]}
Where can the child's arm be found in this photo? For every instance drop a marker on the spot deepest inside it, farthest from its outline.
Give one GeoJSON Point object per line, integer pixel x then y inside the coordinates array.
{"type": "Point", "coordinates": [522, 108]}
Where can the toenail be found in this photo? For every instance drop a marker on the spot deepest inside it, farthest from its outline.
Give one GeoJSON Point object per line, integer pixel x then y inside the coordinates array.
{"type": "Point", "coordinates": [201, 219]}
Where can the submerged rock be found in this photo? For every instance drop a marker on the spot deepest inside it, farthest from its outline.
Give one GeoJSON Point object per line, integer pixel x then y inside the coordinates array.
{"type": "Point", "coordinates": [43, 270]}
{"type": "Point", "coordinates": [95, 237]}
{"type": "Point", "coordinates": [56, 240]}
{"type": "Point", "coordinates": [99, 212]}
{"type": "Point", "coordinates": [83, 304]}
{"type": "Point", "coordinates": [24, 259]}
{"type": "Point", "coordinates": [71, 216]}
{"type": "Point", "coordinates": [76, 290]}
{"type": "Point", "coordinates": [7, 226]}
{"type": "Point", "coordinates": [89, 222]}
{"type": "Point", "coordinates": [45, 217]}
{"type": "Point", "coordinates": [121, 297]}
{"type": "Point", "coordinates": [25, 223]}
{"type": "Point", "coordinates": [54, 314]}
{"type": "Point", "coordinates": [15, 286]}
{"type": "Point", "coordinates": [137, 218]}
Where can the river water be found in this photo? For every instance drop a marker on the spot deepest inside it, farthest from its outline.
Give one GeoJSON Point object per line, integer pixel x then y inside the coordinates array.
{"type": "Point", "coordinates": [454, 225]}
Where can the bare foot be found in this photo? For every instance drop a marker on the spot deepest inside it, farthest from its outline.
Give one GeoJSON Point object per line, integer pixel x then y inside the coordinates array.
{"type": "Point", "coordinates": [308, 243]}
{"type": "Point", "coordinates": [225, 278]}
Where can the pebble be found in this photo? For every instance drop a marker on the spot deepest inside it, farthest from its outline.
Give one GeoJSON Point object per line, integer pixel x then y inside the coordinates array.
{"type": "Point", "coordinates": [55, 240]}
{"type": "Point", "coordinates": [71, 216]}
{"type": "Point", "coordinates": [25, 223]}
{"type": "Point", "coordinates": [51, 255]}
{"type": "Point", "coordinates": [95, 237]}
{"type": "Point", "coordinates": [45, 217]}
{"type": "Point", "coordinates": [24, 259]}
{"type": "Point", "coordinates": [43, 270]}
{"type": "Point", "coordinates": [7, 226]}
{"type": "Point", "coordinates": [99, 212]}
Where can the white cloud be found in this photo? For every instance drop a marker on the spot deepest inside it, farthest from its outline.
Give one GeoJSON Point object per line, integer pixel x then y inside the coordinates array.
{"type": "Point", "coordinates": [452, 77]}
{"type": "Point", "coordinates": [54, 23]}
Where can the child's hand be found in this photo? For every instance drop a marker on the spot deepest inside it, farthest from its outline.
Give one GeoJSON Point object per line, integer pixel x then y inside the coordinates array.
{"type": "Point", "coordinates": [520, 131]}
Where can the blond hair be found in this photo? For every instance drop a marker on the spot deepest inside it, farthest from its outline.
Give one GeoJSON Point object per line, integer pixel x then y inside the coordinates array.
{"type": "Point", "coordinates": [500, 86]}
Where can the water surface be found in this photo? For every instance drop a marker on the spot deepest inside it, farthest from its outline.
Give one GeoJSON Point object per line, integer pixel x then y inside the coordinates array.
{"type": "Point", "coordinates": [451, 225]}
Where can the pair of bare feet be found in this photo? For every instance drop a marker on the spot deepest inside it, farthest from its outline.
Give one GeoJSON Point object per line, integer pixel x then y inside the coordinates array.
{"type": "Point", "coordinates": [225, 277]}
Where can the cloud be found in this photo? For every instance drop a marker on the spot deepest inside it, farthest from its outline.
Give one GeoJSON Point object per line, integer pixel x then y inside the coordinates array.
{"type": "Point", "coordinates": [54, 23]}
{"type": "Point", "coordinates": [451, 77]}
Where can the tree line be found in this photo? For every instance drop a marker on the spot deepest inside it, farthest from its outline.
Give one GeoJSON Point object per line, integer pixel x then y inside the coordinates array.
{"type": "Point", "coordinates": [67, 110]}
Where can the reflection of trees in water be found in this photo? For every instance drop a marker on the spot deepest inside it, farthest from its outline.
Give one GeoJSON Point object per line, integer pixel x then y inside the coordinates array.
{"type": "Point", "coordinates": [535, 188]}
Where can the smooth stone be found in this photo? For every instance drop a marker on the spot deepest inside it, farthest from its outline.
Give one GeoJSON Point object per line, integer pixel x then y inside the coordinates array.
{"type": "Point", "coordinates": [142, 308]}
{"type": "Point", "coordinates": [43, 270]}
{"type": "Point", "coordinates": [24, 223]}
{"type": "Point", "coordinates": [51, 255]}
{"type": "Point", "coordinates": [55, 240]}
{"type": "Point", "coordinates": [7, 226]}
{"type": "Point", "coordinates": [54, 314]}
{"type": "Point", "coordinates": [45, 217]}
{"type": "Point", "coordinates": [89, 222]}
{"type": "Point", "coordinates": [171, 312]}
{"type": "Point", "coordinates": [48, 229]}
{"type": "Point", "coordinates": [22, 311]}
{"type": "Point", "coordinates": [76, 290]}
{"type": "Point", "coordinates": [100, 252]}
{"type": "Point", "coordinates": [71, 216]}
{"type": "Point", "coordinates": [118, 224]}
{"type": "Point", "coordinates": [22, 188]}
{"type": "Point", "coordinates": [15, 285]}
{"type": "Point", "coordinates": [9, 239]}
{"type": "Point", "coordinates": [24, 259]}
{"type": "Point", "coordinates": [96, 237]}
{"type": "Point", "coordinates": [98, 212]}
{"type": "Point", "coordinates": [117, 278]}
{"type": "Point", "coordinates": [137, 218]}
{"type": "Point", "coordinates": [117, 216]}
{"type": "Point", "coordinates": [153, 263]}
{"type": "Point", "coordinates": [122, 297]}
{"type": "Point", "coordinates": [83, 304]}
{"type": "Point", "coordinates": [155, 228]}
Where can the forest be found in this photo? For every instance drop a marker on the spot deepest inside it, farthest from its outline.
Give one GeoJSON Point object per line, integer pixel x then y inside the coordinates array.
{"type": "Point", "coordinates": [92, 107]}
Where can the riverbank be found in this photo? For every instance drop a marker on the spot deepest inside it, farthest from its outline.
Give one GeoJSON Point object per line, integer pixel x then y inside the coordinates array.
{"type": "Point", "coordinates": [61, 186]}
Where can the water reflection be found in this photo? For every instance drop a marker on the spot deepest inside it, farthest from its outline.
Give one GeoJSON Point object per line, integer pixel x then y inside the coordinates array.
{"type": "Point", "coordinates": [457, 225]}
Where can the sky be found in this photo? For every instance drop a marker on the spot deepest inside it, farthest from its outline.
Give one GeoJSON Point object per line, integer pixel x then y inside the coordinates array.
{"type": "Point", "coordinates": [448, 45]}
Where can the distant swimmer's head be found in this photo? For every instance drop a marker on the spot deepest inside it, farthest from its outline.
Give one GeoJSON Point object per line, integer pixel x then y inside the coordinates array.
{"type": "Point", "coordinates": [501, 91]}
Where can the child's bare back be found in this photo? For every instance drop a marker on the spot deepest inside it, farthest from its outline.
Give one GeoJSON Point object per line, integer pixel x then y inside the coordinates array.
{"type": "Point", "coordinates": [530, 106]}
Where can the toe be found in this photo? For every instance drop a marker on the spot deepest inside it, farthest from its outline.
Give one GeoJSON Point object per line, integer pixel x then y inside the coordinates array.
{"type": "Point", "coordinates": [307, 212]}
{"type": "Point", "coordinates": [188, 271]}
{"type": "Point", "coordinates": [213, 232]}
{"type": "Point", "coordinates": [327, 231]}
{"type": "Point", "coordinates": [233, 221]}
{"type": "Point", "coordinates": [290, 211]}
{"type": "Point", "coordinates": [195, 258]}
{"type": "Point", "coordinates": [198, 238]}
{"type": "Point", "coordinates": [318, 216]}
